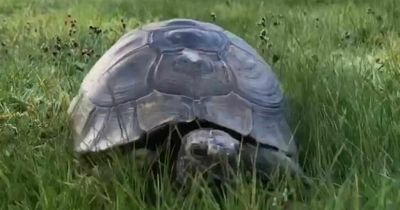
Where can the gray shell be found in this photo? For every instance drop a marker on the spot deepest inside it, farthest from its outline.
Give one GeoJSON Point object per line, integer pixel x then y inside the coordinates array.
{"type": "Point", "coordinates": [176, 71]}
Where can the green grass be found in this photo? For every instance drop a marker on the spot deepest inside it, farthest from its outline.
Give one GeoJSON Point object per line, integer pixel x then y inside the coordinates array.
{"type": "Point", "coordinates": [339, 63]}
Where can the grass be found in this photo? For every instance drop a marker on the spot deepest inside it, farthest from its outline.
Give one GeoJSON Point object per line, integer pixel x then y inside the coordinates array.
{"type": "Point", "coordinates": [338, 62]}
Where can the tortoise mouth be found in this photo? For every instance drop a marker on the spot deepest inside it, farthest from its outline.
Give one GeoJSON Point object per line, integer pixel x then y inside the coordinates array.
{"type": "Point", "coordinates": [198, 150]}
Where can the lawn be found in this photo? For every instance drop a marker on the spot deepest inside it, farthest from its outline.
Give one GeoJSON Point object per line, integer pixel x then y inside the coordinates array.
{"type": "Point", "coordinates": [338, 61]}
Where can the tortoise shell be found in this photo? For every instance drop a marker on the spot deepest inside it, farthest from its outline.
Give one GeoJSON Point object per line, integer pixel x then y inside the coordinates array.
{"type": "Point", "coordinates": [174, 71]}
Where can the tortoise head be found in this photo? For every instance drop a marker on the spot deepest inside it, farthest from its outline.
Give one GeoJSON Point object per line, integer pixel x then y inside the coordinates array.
{"type": "Point", "coordinates": [217, 154]}
{"type": "Point", "coordinates": [209, 152]}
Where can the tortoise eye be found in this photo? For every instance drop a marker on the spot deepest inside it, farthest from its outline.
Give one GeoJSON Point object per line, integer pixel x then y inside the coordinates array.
{"type": "Point", "coordinates": [198, 150]}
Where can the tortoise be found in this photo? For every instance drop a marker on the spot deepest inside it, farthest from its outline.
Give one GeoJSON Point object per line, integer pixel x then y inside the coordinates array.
{"type": "Point", "coordinates": [180, 71]}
